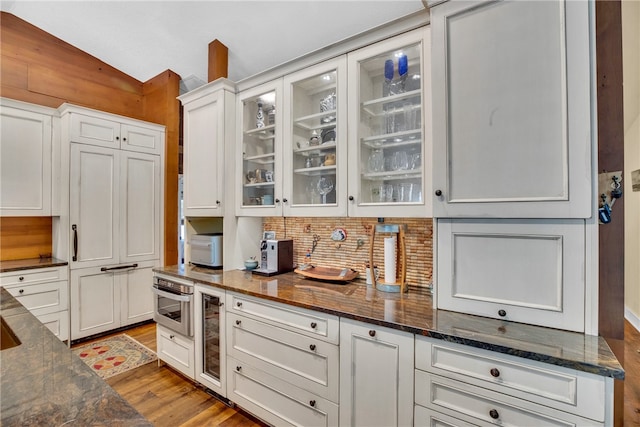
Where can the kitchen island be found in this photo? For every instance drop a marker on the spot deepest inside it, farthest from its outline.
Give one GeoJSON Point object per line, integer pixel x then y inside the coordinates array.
{"type": "Point", "coordinates": [413, 312]}
{"type": "Point", "coordinates": [43, 383]}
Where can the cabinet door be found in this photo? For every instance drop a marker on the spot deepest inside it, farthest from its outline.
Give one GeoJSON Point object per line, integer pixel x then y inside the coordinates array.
{"type": "Point", "coordinates": [140, 194]}
{"type": "Point", "coordinates": [512, 108]}
{"type": "Point", "coordinates": [390, 127]}
{"type": "Point", "coordinates": [259, 151]}
{"type": "Point", "coordinates": [315, 140]}
{"type": "Point", "coordinates": [141, 139]}
{"type": "Point", "coordinates": [25, 163]}
{"type": "Point", "coordinates": [94, 206]}
{"type": "Point", "coordinates": [376, 375]}
{"type": "Point", "coordinates": [210, 342]}
{"type": "Point", "coordinates": [94, 130]}
{"type": "Point", "coordinates": [175, 350]}
{"type": "Point", "coordinates": [204, 125]}
{"type": "Point", "coordinates": [530, 271]}
{"type": "Point", "coordinates": [95, 302]}
{"type": "Point", "coordinates": [136, 303]}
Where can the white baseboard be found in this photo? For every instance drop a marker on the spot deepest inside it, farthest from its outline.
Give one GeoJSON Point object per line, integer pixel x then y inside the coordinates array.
{"type": "Point", "coordinates": [632, 318]}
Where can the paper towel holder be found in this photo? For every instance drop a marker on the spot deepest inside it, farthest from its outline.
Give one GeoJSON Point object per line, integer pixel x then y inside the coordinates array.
{"type": "Point", "coordinates": [400, 284]}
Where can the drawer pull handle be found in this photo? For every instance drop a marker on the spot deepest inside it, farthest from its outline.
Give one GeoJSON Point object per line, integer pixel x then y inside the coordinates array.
{"type": "Point", "coordinates": [238, 368]}
{"type": "Point", "coordinates": [239, 304]}
{"type": "Point", "coordinates": [372, 333]}
{"type": "Point", "coordinates": [494, 414]}
{"type": "Point", "coordinates": [312, 347]}
{"type": "Point", "coordinates": [172, 336]}
{"type": "Point", "coordinates": [495, 373]}
{"type": "Point", "coordinates": [21, 291]}
{"type": "Point", "coordinates": [312, 403]}
{"type": "Point", "coordinates": [21, 278]}
{"type": "Point", "coordinates": [313, 325]}
{"type": "Point", "coordinates": [502, 313]}
{"type": "Point", "coordinates": [238, 322]}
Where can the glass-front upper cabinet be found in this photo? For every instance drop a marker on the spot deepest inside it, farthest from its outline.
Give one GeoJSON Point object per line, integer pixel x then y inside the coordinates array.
{"type": "Point", "coordinates": [259, 157]}
{"type": "Point", "coordinates": [315, 140]}
{"type": "Point", "coordinates": [390, 127]}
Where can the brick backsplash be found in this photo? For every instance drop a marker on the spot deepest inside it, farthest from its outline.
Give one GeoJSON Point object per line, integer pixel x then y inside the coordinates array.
{"type": "Point", "coordinates": [328, 253]}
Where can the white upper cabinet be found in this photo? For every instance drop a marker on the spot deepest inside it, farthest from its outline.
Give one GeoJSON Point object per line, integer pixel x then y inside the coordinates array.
{"type": "Point", "coordinates": [511, 109]}
{"type": "Point", "coordinates": [315, 140]}
{"type": "Point", "coordinates": [106, 131]}
{"type": "Point", "coordinates": [208, 122]}
{"type": "Point", "coordinates": [259, 151]}
{"type": "Point", "coordinates": [390, 127]}
{"type": "Point", "coordinates": [25, 159]}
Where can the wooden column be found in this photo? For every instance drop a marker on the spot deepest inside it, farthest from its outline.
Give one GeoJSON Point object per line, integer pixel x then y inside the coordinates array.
{"type": "Point", "coordinates": [218, 60]}
{"type": "Point", "coordinates": [611, 158]}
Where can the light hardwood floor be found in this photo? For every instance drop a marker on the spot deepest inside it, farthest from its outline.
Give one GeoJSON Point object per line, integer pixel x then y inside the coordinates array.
{"type": "Point", "coordinates": [168, 399]}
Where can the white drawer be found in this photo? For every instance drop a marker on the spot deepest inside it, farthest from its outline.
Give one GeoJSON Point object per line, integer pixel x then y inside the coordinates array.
{"type": "Point", "coordinates": [305, 362]}
{"type": "Point", "coordinates": [487, 408]}
{"type": "Point", "coordinates": [58, 323]}
{"type": "Point", "coordinates": [34, 275]}
{"type": "Point", "coordinates": [176, 350]}
{"type": "Point", "coordinates": [307, 322]}
{"type": "Point", "coordinates": [42, 298]}
{"type": "Point", "coordinates": [427, 417]}
{"type": "Point", "coordinates": [275, 401]}
{"type": "Point", "coordinates": [565, 389]}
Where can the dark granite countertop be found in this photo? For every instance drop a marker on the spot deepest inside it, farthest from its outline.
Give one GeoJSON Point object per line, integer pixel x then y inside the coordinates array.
{"type": "Point", "coordinates": [413, 312]}
{"type": "Point", "coordinates": [23, 264]}
{"type": "Point", "coordinates": [43, 384]}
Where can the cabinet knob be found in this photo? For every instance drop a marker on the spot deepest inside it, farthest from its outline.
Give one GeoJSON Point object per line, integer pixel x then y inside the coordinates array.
{"type": "Point", "coordinates": [494, 372]}
{"type": "Point", "coordinates": [124, 139]}
{"type": "Point", "coordinates": [238, 322]}
{"type": "Point", "coordinates": [438, 193]}
{"type": "Point", "coordinates": [217, 202]}
{"type": "Point", "coordinates": [172, 337]}
{"type": "Point", "coordinates": [351, 198]}
{"type": "Point", "coordinates": [312, 347]}
{"type": "Point", "coordinates": [494, 414]}
{"type": "Point", "coordinates": [372, 333]}
{"type": "Point", "coordinates": [21, 291]}
{"type": "Point", "coordinates": [238, 368]}
{"type": "Point", "coordinates": [277, 200]}
{"type": "Point", "coordinates": [285, 200]}
{"type": "Point", "coordinates": [239, 304]}
{"type": "Point", "coordinates": [21, 278]}
{"type": "Point", "coordinates": [313, 325]}
{"type": "Point", "coordinates": [312, 403]}
{"type": "Point", "coordinates": [117, 138]}
{"type": "Point", "coordinates": [502, 313]}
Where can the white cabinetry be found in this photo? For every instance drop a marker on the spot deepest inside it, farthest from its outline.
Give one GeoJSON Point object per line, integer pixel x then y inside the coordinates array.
{"type": "Point", "coordinates": [45, 293]}
{"type": "Point", "coordinates": [283, 362]}
{"type": "Point", "coordinates": [176, 350]}
{"type": "Point", "coordinates": [114, 219]}
{"type": "Point", "coordinates": [512, 109]}
{"type": "Point", "coordinates": [485, 388]}
{"type": "Point", "coordinates": [376, 375]}
{"type": "Point", "coordinates": [209, 121]}
{"type": "Point", "coordinates": [25, 159]}
{"type": "Point", "coordinates": [210, 338]}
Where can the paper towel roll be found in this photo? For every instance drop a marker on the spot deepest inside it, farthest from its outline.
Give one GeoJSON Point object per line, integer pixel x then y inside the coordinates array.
{"type": "Point", "coordinates": [390, 259]}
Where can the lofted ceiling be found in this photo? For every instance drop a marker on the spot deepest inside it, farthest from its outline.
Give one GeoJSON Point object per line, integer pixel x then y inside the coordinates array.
{"type": "Point", "coordinates": [143, 38]}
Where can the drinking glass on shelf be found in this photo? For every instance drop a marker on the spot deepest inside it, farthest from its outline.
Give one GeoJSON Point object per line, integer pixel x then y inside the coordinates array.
{"type": "Point", "coordinates": [409, 116]}
{"type": "Point", "coordinates": [404, 190]}
{"type": "Point", "coordinates": [390, 119]}
{"type": "Point", "coordinates": [376, 161]}
{"type": "Point", "coordinates": [415, 161]}
{"type": "Point", "coordinates": [325, 185]}
{"type": "Point", "coordinates": [401, 160]}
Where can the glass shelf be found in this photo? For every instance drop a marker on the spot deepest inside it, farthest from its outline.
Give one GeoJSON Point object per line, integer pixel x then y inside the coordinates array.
{"type": "Point", "coordinates": [259, 184]}
{"type": "Point", "coordinates": [392, 175]}
{"type": "Point", "coordinates": [315, 149]}
{"type": "Point", "coordinates": [314, 121]}
{"type": "Point", "coordinates": [266, 132]}
{"type": "Point", "coordinates": [397, 139]}
{"type": "Point", "coordinates": [317, 171]}
{"type": "Point", "coordinates": [263, 159]}
{"type": "Point", "coordinates": [376, 107]}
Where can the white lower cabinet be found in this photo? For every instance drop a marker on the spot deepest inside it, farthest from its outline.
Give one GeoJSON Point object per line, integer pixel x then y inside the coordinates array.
{"type": "Point", "coordinates": [176, 350]}
{"type": "Point", "coordinates": [282, 362]}
{"type": "Point", "coordinates": [103, 299]}
{"type": "Point", "coordinates": [376, 375]}
{"type": "Point", "coordinates": [488, 388]}
{"type": "Point", "coordinates": [45, 293]}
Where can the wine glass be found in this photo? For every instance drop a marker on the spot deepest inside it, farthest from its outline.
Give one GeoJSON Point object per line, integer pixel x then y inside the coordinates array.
{"type": "Point", "coordinates": [325, 185]}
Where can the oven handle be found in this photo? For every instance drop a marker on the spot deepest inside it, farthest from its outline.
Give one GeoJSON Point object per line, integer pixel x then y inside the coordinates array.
{"type": "Point", "coordinates": [185, 298]}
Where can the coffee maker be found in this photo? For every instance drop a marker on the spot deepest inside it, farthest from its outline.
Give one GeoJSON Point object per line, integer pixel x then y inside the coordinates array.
{"type": "Point", "coordinates": [276, 257]}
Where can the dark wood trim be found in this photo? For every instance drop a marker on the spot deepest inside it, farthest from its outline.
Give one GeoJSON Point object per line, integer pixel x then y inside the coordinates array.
{"type": "Point", "coordinates": [218, 60]}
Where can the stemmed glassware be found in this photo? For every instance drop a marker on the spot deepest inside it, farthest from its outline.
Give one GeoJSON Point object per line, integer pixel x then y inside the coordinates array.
{"type": "Point", "coordinates": [325, 185]}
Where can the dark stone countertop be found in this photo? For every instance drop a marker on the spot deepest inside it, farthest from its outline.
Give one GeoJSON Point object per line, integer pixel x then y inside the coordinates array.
{"type": "Point", "coordinates": [413, 312]}
{"type": "Point", "coordinates": [23, 264]}
{"type": "Point", "coordinates": [43, 383]}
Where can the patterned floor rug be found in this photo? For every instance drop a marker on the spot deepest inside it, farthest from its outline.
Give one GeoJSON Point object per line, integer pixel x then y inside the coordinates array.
{"type": "Point", "coordinates": [114, 355]}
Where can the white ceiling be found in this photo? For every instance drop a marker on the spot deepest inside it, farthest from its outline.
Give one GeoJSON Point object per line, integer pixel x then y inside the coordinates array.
{"type": "Point", "coordinates": [144, 38]}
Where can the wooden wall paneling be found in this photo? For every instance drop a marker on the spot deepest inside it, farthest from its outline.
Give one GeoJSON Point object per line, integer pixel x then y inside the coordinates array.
{"type": "Point", "coordinates": [161, 106]}
{"type": "Point", "coordinates": [611, 158]}
{"type": "Point", "coordinates": [24, 237]}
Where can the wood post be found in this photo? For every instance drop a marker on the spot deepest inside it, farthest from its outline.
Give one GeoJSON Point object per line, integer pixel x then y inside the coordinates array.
{"type": "Point", "coordinates": [218, 60]}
